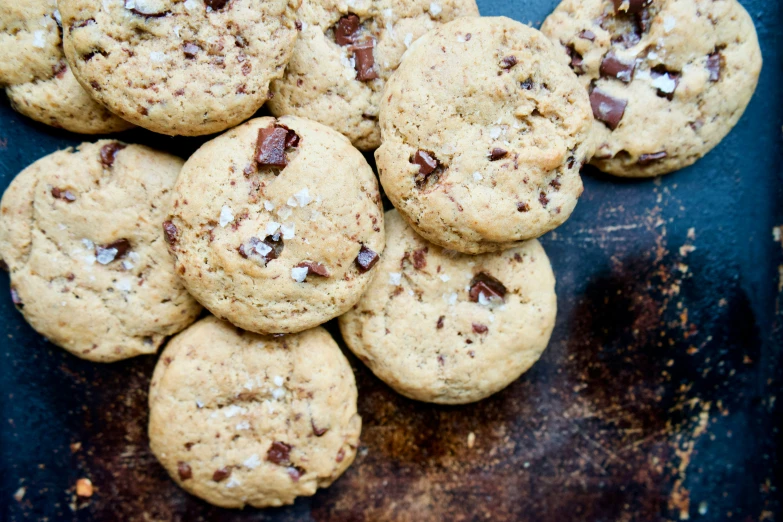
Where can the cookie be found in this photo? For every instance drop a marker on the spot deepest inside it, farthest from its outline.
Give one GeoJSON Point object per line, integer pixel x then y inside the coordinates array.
{"type": "Point", "coordinates": [668, 79]}
{"type": "Point", "coordinates": [237, 418]}
{"type": "Point", "coordinates": [484, 132]}
{"type": "Point", "coordinates": [80, 235]}
{"type": "Point", "coordinates": [189, 68]}
{"type": "Point", "coordinates": [346, 52]}
{"type": "Point", "coordinates": [277, 225]}
{"type": "Point", "coordinates": [36, 77]}
{"type": "Point", "coordinates": [449, 328]}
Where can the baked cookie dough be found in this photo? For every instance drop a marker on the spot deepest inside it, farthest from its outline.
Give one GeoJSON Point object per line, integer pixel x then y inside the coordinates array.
{"type": "Point", "coordinates": [237, 418]}
{"type": "Point", "coordinates": [276, 225]}
{"type": "Point", "coordinates": [173, 67]}
{"type": "Point", "coordinates": [36, 77]}
{"type": "Point", "coordinates": [80, 234]}
{"type": "Point", "coordinates": [443, 327]}
{"type": "Point", "coordinates": [484, 132]}
{"type": "Point", "coordinates": [346, 52]}
{"type": "Point", "coordinates": [668, 79]}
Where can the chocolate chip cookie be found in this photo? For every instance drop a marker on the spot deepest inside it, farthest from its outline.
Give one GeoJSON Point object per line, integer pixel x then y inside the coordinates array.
{"type": "Point", "coordinates": [484, 132]}
{"type": "Point", "coordinates": [36, 77]}
{"type": "Point", "coordinates": [237, 418]}
{"type": "Point", "coordinates": [277, 225]}
{"type": "Point", "coordinates": [190, 68]}
{"type": "Point", "coordinates": [80, 234]}
{"type": "Point", "coordinates": [346, 52]}
{"type": "Point", "coordinates": [443, 327]}
{"type": "Point", "coordinates": [668, 79]}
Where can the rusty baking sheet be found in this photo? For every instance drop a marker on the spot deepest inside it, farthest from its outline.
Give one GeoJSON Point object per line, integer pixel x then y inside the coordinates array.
{"type": "Point", "coordinates": [657, 399]}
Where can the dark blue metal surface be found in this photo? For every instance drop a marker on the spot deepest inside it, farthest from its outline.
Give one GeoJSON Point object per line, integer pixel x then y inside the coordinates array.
{"type": "Point", "coordinates": [658, 397]}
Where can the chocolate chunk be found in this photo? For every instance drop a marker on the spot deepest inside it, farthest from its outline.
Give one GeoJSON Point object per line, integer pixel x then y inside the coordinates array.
{"type": "Point", "coordinates": [555, 184]}
{"type": "Point", "coordinates": [576, 60]}
{"type": "Point", "coordinates": [66, 195]}
{"type": "Point", "coordinates": [221, 474]}
{"type": "Point", "coordinates": [270, 148]}
{"type": "Point", "coordinates": [497, 153]}
{"type": "Point", "coordinates": [216, 5]}
{"type": "Point", "coordinates": [366, 259]}
{"type": "Point", "coordinates": [319, 432]}
{"type": "Point", "coordinates": [109, 153]}
{"type": "Point", "coordinates": [633, 6]}
{"type": "Point", "coordinates": [295, 472]}
{"type": "Point", "coordinates": [60, 68]}
{"type": "Point", "coordinates": [345, 29]}
{"type": "Point", "coordinates": [291, 139]}
{"type": "Point", "coordinates": [16, 299]}
{"type": "Point", "coordinates": [191, 50]}
{"type": "Point", "coordinates": [587, 34]}
{"type": "Point", "coordinates": [340, 455]}
{"type": "Point", "coordinates": [665, 81]}
{"type": "Point", "coordinates": [607, 108]}
{"type": "Point", "coordinates": [646, 159]}
{"type": "Point", "coordinates": [614, 67]}
{"type": "Point", "coordinates": [508, 62]}
{"type": "Point", "coordinates": [183, 468]}
{"type": "Point", "coordinates": [121, 245]}
{"type": "Point", "coordinates": [480, 328]}
{"type": "Point", "coordinates": [420, 258]}
{"type": "Point", "coordinates": [439, 325]}
{"type": "Point", "coordinates": [426, 162]}
{"type": "Point", "coordinates": [170, 232]}
{"type": "Point", "coordinates": [131, 6]}
{"type": "Point", "coordinates": [527, 84]}
{"type": "Point", "coordinates": [714, 62]}
{"type": "Point", "coordinates": [364, 61]}
{"type": "Point", "coordinates": [314, 268]}
{"type": "Point", "coordinates": [279, 453]}
{"type": "Point", "coordinates": [298, 25]}
{"type": "Point", "coordinates": [543, 199]}
{"type": "Point", "coordinates": [522, 207]}
{"type": "Point", "coordinates": [487, 285]}
{"type": "Point", "coordinates": [268, 249]}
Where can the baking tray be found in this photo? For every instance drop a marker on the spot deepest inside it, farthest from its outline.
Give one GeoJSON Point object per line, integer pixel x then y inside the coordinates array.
{"type": "Point", "coordinates": [657, 399]}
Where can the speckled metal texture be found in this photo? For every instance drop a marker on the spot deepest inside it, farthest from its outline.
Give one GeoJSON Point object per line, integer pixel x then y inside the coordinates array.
{"type": "Point", "coordinates": [658, 398]}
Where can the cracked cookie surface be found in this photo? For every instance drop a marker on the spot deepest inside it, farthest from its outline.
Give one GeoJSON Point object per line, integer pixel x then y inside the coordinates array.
{"type": "Point", "coordinates": [329, 81]}
{"type": "Point", "coordinates": [484, 132]}
{"type": "Point", "coordinates": [188, 68]}
{"type": "Point", "coordinates": [37, 79]}
{"type": "Point", "coordinates": [668, 79]}
{"type": "Point", "coordinates": [80, 234]}
{"type": "Point", "coordinates": [276, 225]}
{"type": "Point", "coordinates": [450, 328]}
{"type": "Point", "coordinates": [237, 418]}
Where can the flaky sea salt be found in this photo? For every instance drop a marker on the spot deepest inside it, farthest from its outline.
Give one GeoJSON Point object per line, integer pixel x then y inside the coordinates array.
{"type": "Point", "coordinates": [124, 285]}
{"type": "Point", "coordinates": [106, 255]}
{"type": "Point", "coordinates": [278, 381]}
{"type": "Point", "coordinates": [303, 197]}
{"type": "Point", "coordinates": [269, 206]}
{"type": "Point", "coordinates": [395, 278]}
{"type": "Point", "coordinates": [199, 404]}
{"type": "Point", "coordinates": [299, 274]}
{"type": "Point", "coordinates": [190, 5]}
{"type": "Point", "coordinates": [278, 393]}
{"type": "Point", "coordinates": [669, 23]}
{"type": "Point", "coordinates": [244, 425]}
{"type": "Point", "coordinates": [233, 482]}
{"type": "Point", "coordinates": [39, 39]}
{"type": "Point", "coordinates": [252, 462]}
{"type": "Point", "coordinates": [435, 9]}
{"type": "Point", "coordinates": [284, 212]}
{"type": "Point", "coordinates": [408, 40]}
{"type": "Point", "coordinates": [89, 245]}
{"type": "Point", "coordinates": [444, 278]}
{"type": "Point", "coordinates": [233, 410]}
{"type": "Point", "coordinates": [156, 56]}
{"type": "Point", "coordinates": [664, 83]}
{"type": "Point", "coordinates": [477, 176]}
{"type": "Point", "coordinates": [288, 230]}
{"type": "Point", "coordinates": [453, 299]}
{"type": "Point", "coordinates": [226, 216]}
{"type": "Point", "coordinates": [272, 227]}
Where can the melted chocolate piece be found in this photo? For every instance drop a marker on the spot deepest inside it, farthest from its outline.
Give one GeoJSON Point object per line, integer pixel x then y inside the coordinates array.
{"type": "Point", "coordinates": [184, 471]}
{"type": "Point", "coordinates": [318, 432]}
{"type": "Point", "coordinates": [109, 152]}
{"type": "Point", "coordinates": [190, 49]}
{"type": "Point", "coordinates": [121, 245]}
{"type": "Point", "coordinates": [420, 258]}
{"type": "Point", "coordinates": [522, 207]}
{"type": "Point", "coordinates": [216, 5]}
{"type": "Point", "coordinates": [480, 328]}
{"type": "Point", "coordinates": [170, 232]}
{"type": "Point", "coordinates": [439, 325]}
{"type": "Point", "coordinates": [714, 63]}
{"type": "Point", "coordinates": [497, 154]}
{"type": "Point", "coordinates": [527, 84]}
{"type": "Point", "coordinates": [345, 29]}
{"type": "Point", "coordinates": [543, 199]}
{"type": "Point", "coordinates": [295, 472]}
{"type": "Point", "coordinates": [364, 61]}
{"type": "Point", "coordinates": [576, 60]}
{"type": "Point", "coordinates": [606, 108]}
{"type": "Point", "coordinates": [221, 474]}
{"type": "Point", "coordinates": [483, 283]}
{"type": "Point", "coordinates": [634, 6]}
{"type": "Point", "coordinates": [427, 166]}
{"type": "Point", "coordinates": [587, 34]}
{"type": "Point", "coordinates": [314, 268]}
{"type": "Point", "coordinates": [613, 67]}
{"type": "Point", "coordinates": [279, 453]}
{"type": "Point", "coordinates": [366, 259]}
{"type": "Point", "coordinates": [65, 195]}
{"type": "Point", "coordinates": [646, 159]}
{"type": "Point", "coordinates": [508, 62]}
{"type": "Point", "coordinates": [274, 242]}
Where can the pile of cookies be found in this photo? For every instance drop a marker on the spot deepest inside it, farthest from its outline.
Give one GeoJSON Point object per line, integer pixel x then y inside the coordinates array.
{"type": "Point", "coordinates": [276, 226]}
